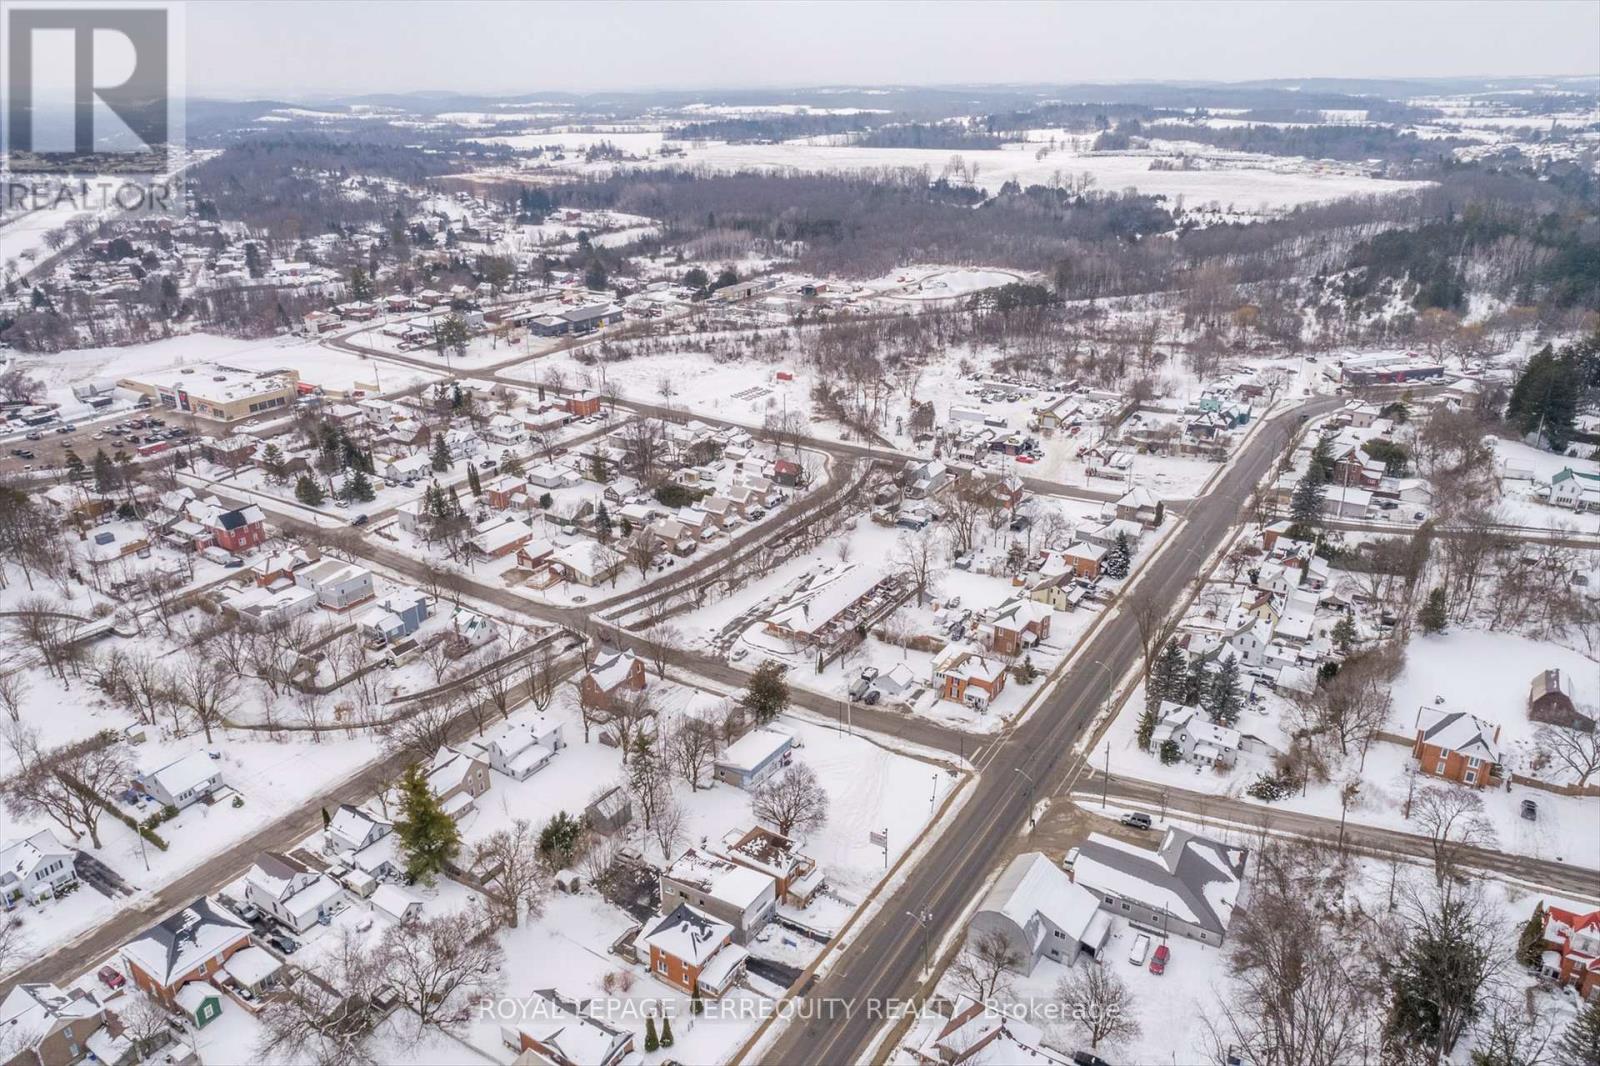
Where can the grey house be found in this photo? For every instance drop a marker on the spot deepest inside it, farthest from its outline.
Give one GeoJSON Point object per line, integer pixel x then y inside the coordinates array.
{"type": "Point", "coordinates": [1189, 885]}
{"type": "Point", "coordinates": [744, 898]}
{"type": "Point", "coordinates": [1041, 913]}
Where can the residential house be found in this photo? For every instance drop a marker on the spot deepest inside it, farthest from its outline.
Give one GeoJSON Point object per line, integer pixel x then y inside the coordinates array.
{"type": "Point", "coordinates": [749, 761]}
{"type": "Point", "coordinates": [796, 876]}
{"type": "Point", "coordinates": [693, 951]}
{"type": "Point", "coordinates": [981, 1035]}
{"type": "Point", "coordinates": [1041, 914]}
{"type": "Point", "coordinates": [1189, 885]}
{"type": "Point", "coordinates": [1139, 505]}
{"type": "Point", "coordinates": [34, 868]}
{"type": "Point", "coordinates": [1084, 559]}
{"type": "Point", "coordinates": [1575, 489]}
{"type": "Point", "coordinates": [497, 539]}
{"type": "Point", "coordinates": [609, 676]}
{"type": "Point", "coordinates": [963, 676]}
{"type": "Point", "coordinates": [1572, 950]}
{"type": "Point", "coordinates": [296, 896]}
{"type": "Point", "coordinates": [1550, 701]}
{"type": "Point", "coordinates": [457, 778]}
{"type": "Point", "coordinates": [191, 945]}
{"type": "Point", "coordinates": [505, 430]}
{"type": "Point", "coordinates": [395, 903]}
{"type": "Point", "coordinates": [921, 478]}
{"type": "Point", "coordinates": [407, 468]}
{"type": "Point", "coordinates": [40, 1025]}
{"type": "Point", "coordinates": [238, 530]}
{"type": "Point", "coordinates": [588, 562]}
{"type": "Point", "coordinates": [557, 1031]}
{"type": "Point", "coordinates": [583, 404]}
{"type": "Point", "coordinates": [181, 782]}
{"type": "Point", "coordinates": [505, 492]}
{"type": "Point", "coordinates": [740, 895]}
{"type": "Point", "coordinates": [1016, 625]}
{"type": "Point", "coordinates": [253, 969]}
{"type": "Point", "coordinates": [398, 614]}
{"type": "Point", "coordinates": [1457, 746]}
{"type": "Point", "coordinates": [339, 585]}
{"type": "Point", "coordinates": [609, 811]}
{"type": "Point", "coordinates": [1201, 742]}
{"type": "Point", "coordinates": [521, 748]}
{"type": "Point", "coordinates": [351, 828]}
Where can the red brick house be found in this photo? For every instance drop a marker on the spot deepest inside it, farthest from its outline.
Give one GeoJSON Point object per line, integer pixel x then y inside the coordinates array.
{"type": "Point", "coordinates": [560, 1032]}
{"type": "Point", "coordinates": [1457, 746]}
{"type": "Point", "coordinates": [1572, 955]}
{"type": "Point", "coordinates": [583, 404]}
{"type": "Point", "coordinates": [238, 530]}
{"type": "Point", "coordinates": [1084, 558]}
{"type": "Point", "coordinates": [964, 676]}
{"type": "Point", "coordinates": [691, 950]}
{"type": "Point", "coordinates": [1017, 624]}
{"type": "Point", "coordinates": [191, 945]}
{"type": "Point", "coordinates": [613, 674]}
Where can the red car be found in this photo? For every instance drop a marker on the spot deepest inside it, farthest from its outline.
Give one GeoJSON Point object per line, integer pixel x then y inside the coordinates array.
{"type": "Point", "coordinates": [111, 978]}
{"type": "Point", "coordinates": [1158, 961]}
{"type": "Point", "coordinates": [1026, 459]}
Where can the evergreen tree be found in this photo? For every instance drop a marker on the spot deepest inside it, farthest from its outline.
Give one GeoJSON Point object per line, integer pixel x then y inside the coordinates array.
{"type": "Point", "coordinates": [1160, 515]}
{"type": "Point", "coordinates": [1116, 561]}
{"type": "Point", "coordinates": [767, 694]}
{"type": "Point", "coordinates": [1194, 683]}
{"type": "Point", "coordinates": [1530, 942]}
{"type": "Point", "coordinates": [359, 486]}
{"type": "Point", "coordinates": [1170, 752]}
{"type": "Point", "coordinates": [427, 834]}
{"type": "Point", "coordinates": [309, 491]}
{"type": "Point", "coordinates": [105, 473]}
{"type": "Point", "coordinates": [440, 454]}
{"type": "Point", "coordinates": [697, 1006]}
{"type": "Point", "coordinates": [1305, 505]}
{"type": "Point", "coordinates": [1322, 459]}
{"type": "Point", "coordinates": [666, 1032]}
{"type": "Point", "coordinates": [1223, 700]}
{"type": "Point", "coordinates": [1435, 615]}
{"type": "Point", "coordinates": [1544, 399]}
{"type": "Point", "coordinates": [546, 501]}
{"type": "Point", "coordinates": [558, 840]}
{"type": "Point", "coordinates": [602, 524]}
{"type": "Point", "coordinates": [473, 482]}
{"type": "Point", "coordinates": [651, 1043]}
{"type": "Point", "coordinates": [599, 469]}
{"type": "Point", "coordinates": [1580, 1041]}
{"type": "Point", "coordinates": [1344, 634]}
{"type": "Point", "coordinates": [76, 470]}
{"type": "Point", "coordinates": [274, 464]}
{"type": "Point", "coordinates": [512, 465]}
{"type": "Point", "coordinates": [1149, 718]}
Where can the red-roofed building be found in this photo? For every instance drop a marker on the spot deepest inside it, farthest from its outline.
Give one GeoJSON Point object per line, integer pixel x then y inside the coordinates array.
{"type": "Point", "coordinates": [1572, 957]}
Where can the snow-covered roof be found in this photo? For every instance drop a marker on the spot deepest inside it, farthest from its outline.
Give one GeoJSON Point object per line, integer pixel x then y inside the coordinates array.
{"type": "Point", "coordinates": [394, 901]}
{"type": "Point", "coordinates": [1459, 732]}
{"type": "Point", "coordinates": [978, 1035]}
{"type": "Point", "coordinates": [183, 774]}
{"type": "Point", "coordinates": [612, 670]}
{"type": "Point", "coordinates": [19, 858]}
{"type": "Point", "coordinates": [719, 878]}
{"type": "Point", "coordinates": [754, 749]}
{"type": "Point", "coordinates": [687, 934]}
{"type": "Point", "coordinates": [1194, 879]}
{"type": "Point", "coordinates": [252, 965]}
{"type": "Point", "coordinates": [559, 1025]}
{"type": "Point", "coordinates": [1033, 885]}
{"type": "Point", "coordinates": [183, 941]}
{"type": "Point", "coordinates": [30, 1010]}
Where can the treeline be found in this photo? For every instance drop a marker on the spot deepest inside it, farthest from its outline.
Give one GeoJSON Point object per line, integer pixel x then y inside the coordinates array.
{"type": "Point", "coordinates": [292, 187]}
{"type": "Point", "coordinates": [1348, 143]}
{"type": "Point", "coordinates": [951, 136]}
{"type": "Point", "coordinates": [772, 128]}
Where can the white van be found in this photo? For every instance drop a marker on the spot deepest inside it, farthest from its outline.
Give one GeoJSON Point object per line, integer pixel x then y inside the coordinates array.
{"type": "Point", "coordinates": [1140, 949]}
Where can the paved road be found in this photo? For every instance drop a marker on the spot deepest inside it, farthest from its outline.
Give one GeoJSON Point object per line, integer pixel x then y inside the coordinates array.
{"type": "Point", "coordinates": [1530, 534]}
{"type": "Point", "coordinates": [885, 957]}
{"type": "Point", "coordinates": [1560, 876]}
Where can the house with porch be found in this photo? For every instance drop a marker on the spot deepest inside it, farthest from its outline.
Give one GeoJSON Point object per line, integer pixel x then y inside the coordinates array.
{"type": "Point", "coordinates": [693, 951]}
{"type": "Point", "coordinates": [190, 946]}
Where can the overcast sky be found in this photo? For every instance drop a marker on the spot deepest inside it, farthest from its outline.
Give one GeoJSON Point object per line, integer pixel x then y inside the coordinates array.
{"type": "Point", "coordinates": [295, 48]}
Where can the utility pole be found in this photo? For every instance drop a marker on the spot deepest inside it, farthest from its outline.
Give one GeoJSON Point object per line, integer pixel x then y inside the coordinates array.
{"type": "Point", "coordinates": [1029, 794]}
{"type": "Point", "coordinates": [924, 919]}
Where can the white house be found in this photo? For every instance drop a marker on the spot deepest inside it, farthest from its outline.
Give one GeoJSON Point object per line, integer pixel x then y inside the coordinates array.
{"type": "Point", "coordinates": [1041, 913]}
{"type": "Point", "coordinates": [521, 749]}
{"type": "Point", "coordinates": [294, 895]}
{"type": "Point", "coordinates": [351, 829]}
{"type": "Point", "coordinates": [338, 585]}
{"type": "Point", "coordinates": [34, 867]}
{"type": "Point", "coordinates": [395, 903]}
{"type": "Point", "coordinates": [182, 781]}
{"type": "Point", "coordinates": [1202, 742]}
{"type": "Point", "coordinates": [503, 429]}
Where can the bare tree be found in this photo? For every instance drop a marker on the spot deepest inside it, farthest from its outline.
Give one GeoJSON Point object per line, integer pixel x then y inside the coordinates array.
{"type": "Point", "coordinates": [1572, 749]}
{"type": "Point", "coordinates": [69, 784]}
{"type": "Point", "coordinates": [1511, 1031]}
{"type": "Point", "coordinates": [1149, 610]}
{"type": "Point", "coordinates": [667, 822]}
{"type": "Point", "coordinates": [205, 688]}
{"type": "Point", "coordinates": [145, 1022]}
{"type": "Point", "coordinates": [624, 718]}
{"type": "Point", "coordinates": [439, 966]}
{"type": "Point", "coordinates": [13, 692]}
{"type": "Point", "coordinates": [661, 642]}
{"type": "Point", "coordinates": [1098, 1004]}
{"type": "Point", "coordinates": [510, 859]}
{"type": "Point", "coordinates": [983, 969]}
{"type": "Point", "coordinates": [692, 750]}
{"type": "Point", "coordinates": [327, 1015]}
{"type": "Point", "coordinates": [422, 728]}
{"type": "Point", "coordinates": [922, 556]}
{"type": "Point", "coordinates": [539, 673]}
{"type": "Point", "coordinates": [1452, 819]}
{"type": "Point", "coordinates": [794, 802]}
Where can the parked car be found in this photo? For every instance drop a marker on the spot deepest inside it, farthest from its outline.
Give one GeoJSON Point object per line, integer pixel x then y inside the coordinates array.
{"type": "Point", "coordinates": [1136, 820]}
{"type": "Point", "coordinates": [1140, 949]}
{"type": "Point", "coordinates": [1530, 810]}
{"type": "Point", "coordinates": [872, 697]}
{"type": "Point", "coordinates": [1158, 962]}
{"type": "Point", "coordinates": [283, 943]}
{"type": "Point", "coordinates": [359, 520]}
{"type": "Point", "coordinates": [1088, 1058]}
{"type": "Point", "coordinates": [1069, 859]}
{"type": "Point", "coordinates": [111, 978]}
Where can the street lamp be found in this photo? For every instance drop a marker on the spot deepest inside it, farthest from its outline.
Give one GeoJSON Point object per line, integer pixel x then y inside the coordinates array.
{"type": "Point", "coordinates": [924, 919]}
{"type": "Point", "coordinates": [1105, 780]}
